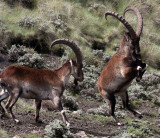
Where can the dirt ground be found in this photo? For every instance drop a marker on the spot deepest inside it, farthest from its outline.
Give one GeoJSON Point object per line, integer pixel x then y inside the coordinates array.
{"type": "Point", "coordinates": [80, 122]}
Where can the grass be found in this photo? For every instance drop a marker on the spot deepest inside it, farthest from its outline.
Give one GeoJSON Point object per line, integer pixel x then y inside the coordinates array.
{"type": "Point", "coordinates": [139, 128]}
{"type": "Point", "coordinates": [24, 135]}
{"type": "Point", "coordinates": [135, 102]}
{"type": "Point", "coordinates": [85, 26]}
{"type": "Point", "coordinates": [3, 133]}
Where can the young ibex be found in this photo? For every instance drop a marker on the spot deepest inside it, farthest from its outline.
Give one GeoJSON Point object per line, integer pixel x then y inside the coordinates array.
{"type": "Point", "coordinates": [123, 67]}
{"type": "Point", "coordinates": [40, 84]}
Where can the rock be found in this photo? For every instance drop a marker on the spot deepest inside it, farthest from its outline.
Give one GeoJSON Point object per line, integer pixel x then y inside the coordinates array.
{"type": "Point", "coordinates": [17, 136]}
{"type": "Point", "coordinates": [81, 134]}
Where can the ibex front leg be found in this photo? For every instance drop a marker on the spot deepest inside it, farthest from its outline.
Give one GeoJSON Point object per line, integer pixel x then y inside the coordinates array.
{"type": "Point", "coordinates": [125, 100]}
{"type": "Point", "coordinates": [38, 107]}
{"type": "Point", "coordinates": [58, 105]}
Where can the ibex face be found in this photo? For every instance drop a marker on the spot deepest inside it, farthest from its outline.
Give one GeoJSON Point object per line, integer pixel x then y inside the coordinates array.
{"type": "Point", "coordinates": [77, 71]}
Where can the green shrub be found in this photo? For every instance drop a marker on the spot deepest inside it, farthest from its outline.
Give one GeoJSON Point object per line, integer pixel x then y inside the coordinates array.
{"type": "Point", "coordinates": [28, 22]}
{"type": "Point", "coordinates": [139, 129]}
{"type": "Point", "coordinates": [69, 102]}
{"type": "Point", "coordinates": [32, 60]}
{"type": "Point", "coordinates": [57, 129]}
{"type": "Point", "coordinates": [101, 110]}
{"type": "Point", "coordinates": [15, 52]}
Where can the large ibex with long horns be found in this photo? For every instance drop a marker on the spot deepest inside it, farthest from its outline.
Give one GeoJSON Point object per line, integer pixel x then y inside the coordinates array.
{"type": "Point", "coordinates": [125, 65]}
{"type": "Point", "coordinates": [40, 84]}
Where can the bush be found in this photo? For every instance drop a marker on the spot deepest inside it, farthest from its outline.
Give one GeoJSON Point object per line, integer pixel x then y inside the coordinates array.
{"type": "Point", "coordinates": [134, 129]}
{"type": "Point", "coordinates": [150, 79]}
{"type": "Point", "coordinates": [57, 21]}
{"type": "Point", "coordinates": [139, 129]}
{"type": "Point", "coordinates": [28, 22]}
{"type": "Point", "coordinates": [15, 52]}
{"type": "Point", "coordinates": [91, 74]}
{"type": "Point", "coordinates": [32, 61]}
{"type": "Point", "coordinates": [69, 102]}
{"type": "Point", "coordinates": [101, 110]}
{"type": "Point", "coordinates": [57, 129]}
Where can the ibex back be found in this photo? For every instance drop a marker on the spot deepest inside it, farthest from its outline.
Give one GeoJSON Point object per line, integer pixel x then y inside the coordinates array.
{"type": "Point", "coordinates": [124, 66]}
{"type": "Point", "coordinates": [40, 84]}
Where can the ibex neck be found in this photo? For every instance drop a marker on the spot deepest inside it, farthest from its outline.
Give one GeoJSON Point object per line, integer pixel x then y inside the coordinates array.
{"type": "Point", "coordinates": [123, 52]}
{"type": "Point", "coordinates": [64, 73]}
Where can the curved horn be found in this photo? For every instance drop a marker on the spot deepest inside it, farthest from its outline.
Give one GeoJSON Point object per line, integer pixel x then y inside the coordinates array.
{"type": "Point", "coordinates": [122, 20]}
{"type": "Point", "coordinates": [139, 16]}
{"type": "Point", "coordinates": [72, 45]}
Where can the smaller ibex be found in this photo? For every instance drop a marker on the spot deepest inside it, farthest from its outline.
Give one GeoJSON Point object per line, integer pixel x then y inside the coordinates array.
{"type": "Point", "coordinates": [40, 84]}
{"type": "Point", "coordinates": [123, 67]}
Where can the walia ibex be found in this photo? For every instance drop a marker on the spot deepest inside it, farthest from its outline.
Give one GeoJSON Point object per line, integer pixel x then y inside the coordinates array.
{"type": "Point", "coordinates": [125, 65]}
{"type": "Point", "coordinates": [40, 84]}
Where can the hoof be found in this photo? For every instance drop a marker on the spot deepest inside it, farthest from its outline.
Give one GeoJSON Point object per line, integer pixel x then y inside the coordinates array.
{"type": "Point", "coordinates": [140, 116]}
{"type": "Point", "coordinates": [68, 124]}
{"type": "Point", "coordinates": [119, 124]}
{"type": "Point", "coordinates": [16, 121]}
{"type": "Point", "coordinates": [39, 121]}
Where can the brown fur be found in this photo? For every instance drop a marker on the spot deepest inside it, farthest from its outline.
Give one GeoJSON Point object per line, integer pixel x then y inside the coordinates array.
{"type": "Point", "coordinates": [118, 74]}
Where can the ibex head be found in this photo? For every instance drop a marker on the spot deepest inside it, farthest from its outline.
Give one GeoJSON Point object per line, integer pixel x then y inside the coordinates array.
{"type": "Point", "coordinates": [77, 72]}
{"type": "Point", "coordinates": [130, 41]}
{"type": "Point", "coordinates": [76, 66]}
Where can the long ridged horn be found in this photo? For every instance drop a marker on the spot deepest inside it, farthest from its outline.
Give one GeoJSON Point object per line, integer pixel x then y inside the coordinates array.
{"type": "Point", "coordinates": [139, 16]}
{"type": "Point", "coordinates": [72, 45]}
{"type": "Point", "coordinates": [122, 20]}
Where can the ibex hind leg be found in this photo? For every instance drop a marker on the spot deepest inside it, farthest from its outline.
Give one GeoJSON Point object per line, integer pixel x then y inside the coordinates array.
{"type": "Point", "coordinates": [3, 95]}
{"type": "Point", "coordinates": [125, 100]}
{"type": "Point", "coordinates": [111, 100]}
{"type": "Point", "coordinates": [11, 101]}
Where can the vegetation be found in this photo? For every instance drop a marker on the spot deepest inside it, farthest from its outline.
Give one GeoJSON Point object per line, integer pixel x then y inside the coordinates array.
{"type": "Point", "coordinates": [57, 129]}
{"type": "Point", "coordinates": [81, 21]}
{"type": "Point", "coordinates": [27, 28]}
